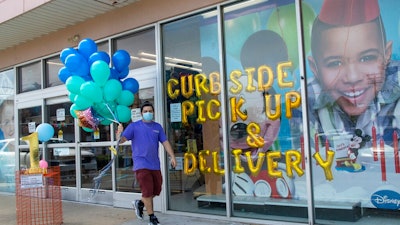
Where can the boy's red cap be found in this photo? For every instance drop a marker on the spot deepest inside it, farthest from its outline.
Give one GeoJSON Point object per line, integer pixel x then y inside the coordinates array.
{"type": "Point", "coordinates": [349, 12]}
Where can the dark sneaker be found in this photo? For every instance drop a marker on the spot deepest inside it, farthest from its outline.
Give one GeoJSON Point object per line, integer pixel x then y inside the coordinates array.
{"type": "Point", "coordinates": [154, 220]}
{"type": "Point", "coordinates": [138, 208]}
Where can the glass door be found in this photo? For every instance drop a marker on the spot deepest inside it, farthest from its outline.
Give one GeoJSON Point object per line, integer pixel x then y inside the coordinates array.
{"type": "Point", "coordinates": [61, 148]}
{"type": "Point", "coordinates": [127, 188]}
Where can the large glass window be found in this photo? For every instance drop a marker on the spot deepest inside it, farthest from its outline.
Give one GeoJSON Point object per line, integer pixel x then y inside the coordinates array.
{"type": "Point", "coordinates": [7, 134]}
{"type": "Point", "coordinates": [94, 159]}
{"type": "Point", "coordinates": [29, 119]}
{"type": "Point", "coordinates": [61, 147]}
{"type": "Point", "coordinates": [141, 47]}
{"type": "Point", "coordinates": [30, 77]}
{"type": "Point", "coordinates": [193, 88]}
{"type": "Point", "coordinates": [263, 90]}
{"type": "Point", "coordinates": [353, 107]}
{"type": "Point", "coordinates": [52, 67]}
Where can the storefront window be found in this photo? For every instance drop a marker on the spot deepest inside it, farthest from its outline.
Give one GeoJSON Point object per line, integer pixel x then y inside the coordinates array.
{"type": "Point", "coordinates": [7, 135]}
{"type": "Point", "coordinates": [52, 67]}
{"type": "Point", "coordinates": [103, 133]}
{"type": "Point", "coordinates": [62, 121]}
{"type": "Point", "coordinates": [141, 47]}
{"type": "Point", "coordinates": [95, 159]}
{"type": "Point", "coordinates": [263, 90]}
{"type": "Point", "coordinates": [29, 119]}
{"type": "Point", "coordinates": [353, 108]}
{"type": "Point", "coordinates": [30, 77]}
{"type": "Point", "coordinates": [193, 112]}
{"type": "Point", "coordinates": [61, 147]}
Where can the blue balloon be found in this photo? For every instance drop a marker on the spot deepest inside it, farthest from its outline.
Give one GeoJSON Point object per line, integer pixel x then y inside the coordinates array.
{"type": "Point", "coordinates": [76, 63]}
{"type": "Point", "coordinates": [64, 74]}
{"type": "Point", "coordinates": [124, 73]}
{"type": "Point", "coordinates": [87, 47]}
{"type": "Point", "coordinates": [130, 84]}
{"type": "Point", "coordinates": [114, 74]}
{"type": "Point", "coordinates": [100, 55]}
{"type": "Point", "coordinates": [66, 52]}
{"type": "Point", "coordinates": [121, 59]}
{"type": "Point", "coordinates": [45, 132]}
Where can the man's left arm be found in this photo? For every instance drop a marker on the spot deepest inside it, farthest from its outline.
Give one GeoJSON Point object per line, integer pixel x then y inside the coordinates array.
{"type": "Point", "coordinates": [170, 151]}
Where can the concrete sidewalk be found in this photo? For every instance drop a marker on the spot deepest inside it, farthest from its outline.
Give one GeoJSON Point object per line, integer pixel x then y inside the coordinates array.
{"type": "Point", "coordinates": [75, 213]}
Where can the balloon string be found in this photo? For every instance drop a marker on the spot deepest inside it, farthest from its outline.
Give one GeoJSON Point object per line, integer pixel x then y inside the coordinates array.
{"type": "Point", "coordinates": [102, 173]}
{"type": "Point", "coordinates": [115, 120]}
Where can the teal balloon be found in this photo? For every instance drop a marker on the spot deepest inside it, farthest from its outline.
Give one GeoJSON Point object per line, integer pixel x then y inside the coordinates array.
{"type": "Point", "coordinates": [72, 110]}
{"type": "Point", "coordinates": [74, 83]}
{"type": "Point", "coordinates": [111, 90]}
{"type": "Point", "coordinates": [123, 113]}
{"type": "Point", "coordinates": [82, 102]}
{"type": "Point", "coordinates": [45, 132]}
{"type": "Point", "coordinates": [100, 72]}
{"type": "Point", "coordinates": [87, 129]}
{"type": "Point", "coordinates": [106, 122]}
{"type": "Point", "coordinates": [105, 110]}
{"type": "Point", "coordinates": [92, 91]}
{"type": "Point", "coordinates": [71, 97]}
{"type": "Point", "coordinates": [125, 98]}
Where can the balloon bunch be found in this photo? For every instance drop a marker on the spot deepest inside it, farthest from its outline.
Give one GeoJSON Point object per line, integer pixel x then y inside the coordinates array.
{"type": "Point", "coordinates": [100, 94]}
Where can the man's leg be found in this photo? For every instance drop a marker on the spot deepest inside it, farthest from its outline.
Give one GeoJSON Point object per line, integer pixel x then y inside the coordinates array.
{"type": "Point", "coordinates": [148, 204]}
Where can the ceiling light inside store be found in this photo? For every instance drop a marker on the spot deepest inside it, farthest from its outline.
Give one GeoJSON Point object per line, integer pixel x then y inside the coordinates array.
{"type": "Point", "coordinates": [171, 64]}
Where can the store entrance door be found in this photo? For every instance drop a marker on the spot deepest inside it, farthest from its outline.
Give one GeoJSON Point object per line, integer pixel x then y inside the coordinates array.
{"type": "Point", "coordinates": [127, 188]}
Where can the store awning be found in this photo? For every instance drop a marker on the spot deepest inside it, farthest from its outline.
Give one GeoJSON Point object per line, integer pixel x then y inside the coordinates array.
{"type": "Point", "coordinates": [52, 16]}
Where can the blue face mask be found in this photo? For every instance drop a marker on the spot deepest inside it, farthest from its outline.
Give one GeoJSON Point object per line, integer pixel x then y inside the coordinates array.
{"type": "Point", "coordinates": [148, 116]}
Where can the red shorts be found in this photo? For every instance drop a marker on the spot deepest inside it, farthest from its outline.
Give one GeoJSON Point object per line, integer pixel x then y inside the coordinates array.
{"type": "Point", "coordinates": [150, 182]}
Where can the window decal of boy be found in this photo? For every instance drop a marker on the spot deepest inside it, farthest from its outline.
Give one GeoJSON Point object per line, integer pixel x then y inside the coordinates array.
{"type": "Point", "coordinates": [356, 86]}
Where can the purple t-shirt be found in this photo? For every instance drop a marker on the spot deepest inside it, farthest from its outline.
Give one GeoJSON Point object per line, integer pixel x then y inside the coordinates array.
{"type": "Point", "coordinates": [144, 142]}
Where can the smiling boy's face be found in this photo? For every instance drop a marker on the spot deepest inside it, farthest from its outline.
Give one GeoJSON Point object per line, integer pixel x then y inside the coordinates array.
{"type": "Point", "coordinates": [350, 63]}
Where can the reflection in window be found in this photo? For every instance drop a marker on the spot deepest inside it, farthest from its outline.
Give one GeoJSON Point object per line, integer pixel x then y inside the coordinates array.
{"type": "Point", "coordinates": [62, 121]}
{"type": "Point", "coordinates": [125, 176]}
{"type": "Point", "coordinates": [29, 119]}
{"type": "Point", "coordinates": [29, 77]}
{"type": "Point", "coordinates": [141, 47]}
{"type": "Point", "coordinates": [102, 46]}
{"type": "Point", "coordinates": [101, 134]}
{"type": "Point", "coordinates": [64, 157]}
{"type": "Point", "coordinates": [52, 67]}
{"type": "Point", "coordinates": [93, 160]}
{"type": "Point", "coordinates": [7, 134]}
